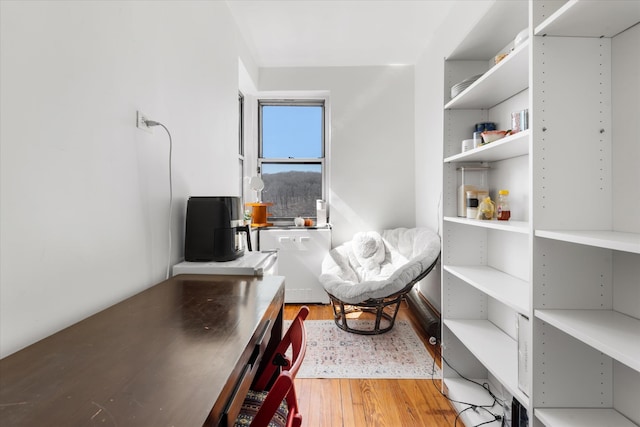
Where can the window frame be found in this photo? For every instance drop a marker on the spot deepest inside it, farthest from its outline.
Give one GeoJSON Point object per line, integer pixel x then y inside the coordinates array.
{"type": "Point", "coordinates": [241, 147]}
{"type": "Point", "coordinates": [322, 161]}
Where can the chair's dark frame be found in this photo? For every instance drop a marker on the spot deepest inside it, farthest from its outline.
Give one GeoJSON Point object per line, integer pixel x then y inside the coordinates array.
{"type": "Point", "coordinates": [376, 306]}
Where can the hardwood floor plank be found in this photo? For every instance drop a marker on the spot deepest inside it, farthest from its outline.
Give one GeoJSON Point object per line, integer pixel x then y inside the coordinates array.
{"type": "Point", "coordinates": [371, 402]}
{"type": "Point", "coordinates": [353, 401]}
{"type": "Point", "coordinates": [425, 403]}
{"type": "Point", "coordinates": [381, 404]}
{"type": "Point", "coordinates": [346, 404]}
{"type": "Point", "coordinates": [320, 399]}
{"type": "Point", "coordinates": [412, 411]}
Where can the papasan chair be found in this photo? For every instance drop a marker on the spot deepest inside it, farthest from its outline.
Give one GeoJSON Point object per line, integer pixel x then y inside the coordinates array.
{"type": "Point", "coordinates": [373, 272]}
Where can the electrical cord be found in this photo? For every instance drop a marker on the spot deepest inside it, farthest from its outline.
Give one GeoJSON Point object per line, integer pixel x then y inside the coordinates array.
{"type": "Point", "coordinates": [496, 417]}
{"type": "Point", "coordinates": [473, 406]}
{"type": "Point", "coordinates": [151, 123]}
{"type": "Point", "coordinates": [483, 385]}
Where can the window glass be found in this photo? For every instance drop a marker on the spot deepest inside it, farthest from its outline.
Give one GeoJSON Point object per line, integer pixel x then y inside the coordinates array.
{"type": "Point", "coordinates": [292, 131]}
{"type": "Point", "coordinates": [291, 161]}
{"type": "Point", "coordinates": [293, 188]}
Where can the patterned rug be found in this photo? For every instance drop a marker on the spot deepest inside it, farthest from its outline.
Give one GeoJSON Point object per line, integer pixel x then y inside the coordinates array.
{"type": "Point", "coordinates": [334, 353]}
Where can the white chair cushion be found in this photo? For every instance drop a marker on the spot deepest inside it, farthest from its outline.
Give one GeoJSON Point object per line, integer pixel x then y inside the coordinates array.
{"type": "Point", "coordinates": [353, 277]}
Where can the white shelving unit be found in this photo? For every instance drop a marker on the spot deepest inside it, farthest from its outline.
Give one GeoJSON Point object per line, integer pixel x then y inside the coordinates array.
{"type": "Point", "coordinates": [507, 289]}
{"type": "Point", "coordinates": [500, 358]}
{"type": "Point", "coordinates": [582, 418]}
{"type": "Point", "coordinates": [579, 18]}
{"type": "Point", "coordinates": [586, 292]}
{"type": "Point", "coordinates": [568, 261]}
{"type": "Point", "coordinates": [594, 328]}
{"type": "Point", "coordinates": [616, 240]}
{"type": "Point", "coordinates": [506, 148]}
{"type": "Point", "coordinates": [484, 289]}
{"type": "Point", "coordinates": [521, 227]}
{"type": "Point", "coordinates": [497, 84]}
{"type": "Point", "coordinates": [459, 389]}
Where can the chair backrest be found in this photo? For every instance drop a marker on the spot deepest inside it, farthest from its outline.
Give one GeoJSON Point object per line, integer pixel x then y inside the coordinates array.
{"type": "Point", "coordinates": [282, 389]}
{"type": "Point", "coordinates": [289, 353]}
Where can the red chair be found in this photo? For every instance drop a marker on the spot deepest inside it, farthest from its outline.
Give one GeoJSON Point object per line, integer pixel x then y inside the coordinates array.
{"type": "Point", "coordinates": [278, 405]}
{"type": "Point", "coordinates": [295, 340]}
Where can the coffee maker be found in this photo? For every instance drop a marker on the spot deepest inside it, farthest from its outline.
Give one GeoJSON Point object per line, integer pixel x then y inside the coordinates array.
{"type": "Point", "coordinates": [214, 229]}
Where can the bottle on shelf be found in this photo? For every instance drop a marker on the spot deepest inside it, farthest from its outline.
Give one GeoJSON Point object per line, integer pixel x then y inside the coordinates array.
{"type": "Point", "coordinates": [503, 208]}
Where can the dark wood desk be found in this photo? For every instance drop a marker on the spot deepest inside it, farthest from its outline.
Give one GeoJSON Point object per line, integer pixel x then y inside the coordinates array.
{"type": "Point", "coordinates": [182, 353]}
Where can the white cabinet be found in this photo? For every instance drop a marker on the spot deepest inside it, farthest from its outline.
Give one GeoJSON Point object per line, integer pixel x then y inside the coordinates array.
{"type": "Point", "coordinates": [300, 255]}
{"type": "Point", "coordinates": [569, 258]}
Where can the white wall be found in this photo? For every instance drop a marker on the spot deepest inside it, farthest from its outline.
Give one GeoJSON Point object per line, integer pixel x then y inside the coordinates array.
{"type": "Point", "coordinates": [428, 160]}
{"type": "Point", "coordinates": [84, 194]}
{"type": "Point", "coordinates": [372, 142]}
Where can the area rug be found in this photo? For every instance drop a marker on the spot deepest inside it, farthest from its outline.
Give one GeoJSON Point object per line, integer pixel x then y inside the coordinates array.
{"type": "Point", "coordinates": [334, 353]}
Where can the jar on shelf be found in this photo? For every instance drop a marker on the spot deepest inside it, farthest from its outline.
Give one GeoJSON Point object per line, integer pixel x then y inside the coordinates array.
{"type": "Point", "coordinates": [462, 199]}
{"type": "Point", "coordinates": [503, 209]}
{"type": "Point", "coordinates": [471, 176]}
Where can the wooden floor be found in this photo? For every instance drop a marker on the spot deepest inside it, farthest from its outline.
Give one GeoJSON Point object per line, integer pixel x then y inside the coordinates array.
{"type": "Point", "coordinates": [371, 403]}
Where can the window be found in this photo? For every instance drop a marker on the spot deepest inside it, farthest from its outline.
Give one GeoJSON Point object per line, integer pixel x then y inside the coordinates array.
{"type": "Point", "coordinates": [291, 157]}
{"type": "Point", "coordinates": [241, 143]}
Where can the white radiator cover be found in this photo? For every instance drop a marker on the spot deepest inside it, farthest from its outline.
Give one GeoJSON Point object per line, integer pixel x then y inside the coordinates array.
{"type": "Point", "coordinates": [300, 255]}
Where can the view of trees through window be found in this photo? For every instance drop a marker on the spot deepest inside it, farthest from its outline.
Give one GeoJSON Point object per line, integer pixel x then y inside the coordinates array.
{"type": "Point", "coordinates": [292, 192]}
{"type": "Point", "coordinates": [291, 157]}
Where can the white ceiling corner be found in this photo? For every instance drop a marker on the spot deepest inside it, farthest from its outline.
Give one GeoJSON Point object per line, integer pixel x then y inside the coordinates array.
{"type": "Point", "coordinates": [316, 33]}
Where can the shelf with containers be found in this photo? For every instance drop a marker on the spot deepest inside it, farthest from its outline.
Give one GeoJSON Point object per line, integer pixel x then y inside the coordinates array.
{"type": "Point", "coordinates": [498, 83]}
{"type": "Point", "coordinates": [506, 148]}
{"type": "Point", "coordinates": [586, 245]}
{"type": "Point", "coordinates": [486, 263]}
{"type": "Point", "coordinates": [566, 265]}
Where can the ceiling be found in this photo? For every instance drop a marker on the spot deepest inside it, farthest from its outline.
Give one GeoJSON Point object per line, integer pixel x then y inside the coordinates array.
{"type": "Point", "coordinates": [313, 33]}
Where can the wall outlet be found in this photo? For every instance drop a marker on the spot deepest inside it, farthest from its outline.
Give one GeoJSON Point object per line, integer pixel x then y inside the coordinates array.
{"type": "Point", "coordinates": [141, 122]}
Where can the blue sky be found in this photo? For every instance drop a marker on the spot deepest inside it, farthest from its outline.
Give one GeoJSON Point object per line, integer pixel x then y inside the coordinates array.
{"type": "Point", "coordinates": [291, 131]}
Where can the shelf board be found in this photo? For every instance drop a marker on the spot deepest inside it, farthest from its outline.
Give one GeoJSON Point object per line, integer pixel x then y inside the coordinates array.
{"type": "Point", "coordinates": [583, 417]}
{"type": "Point", "coordinates": [497, 351]}
{"type": "Point", "coordinates": [506, 148]}
{"type": "Point", "coordinates": [616, 240]}
{"type": "Point", "coordinates": [614, 334]}
{"type": "Point", "coordinates": [461, 390]}
{"type": "Point", "coordinates": [512, 226]}
{"type": "Point", "coordinates": [492, 31]}
{"type": "Point", "coordinates": [502, 81]}
{"type": "Point", "coordinates": [507, 289]}
{"type": "Point", "coordinates": [580, 18]}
